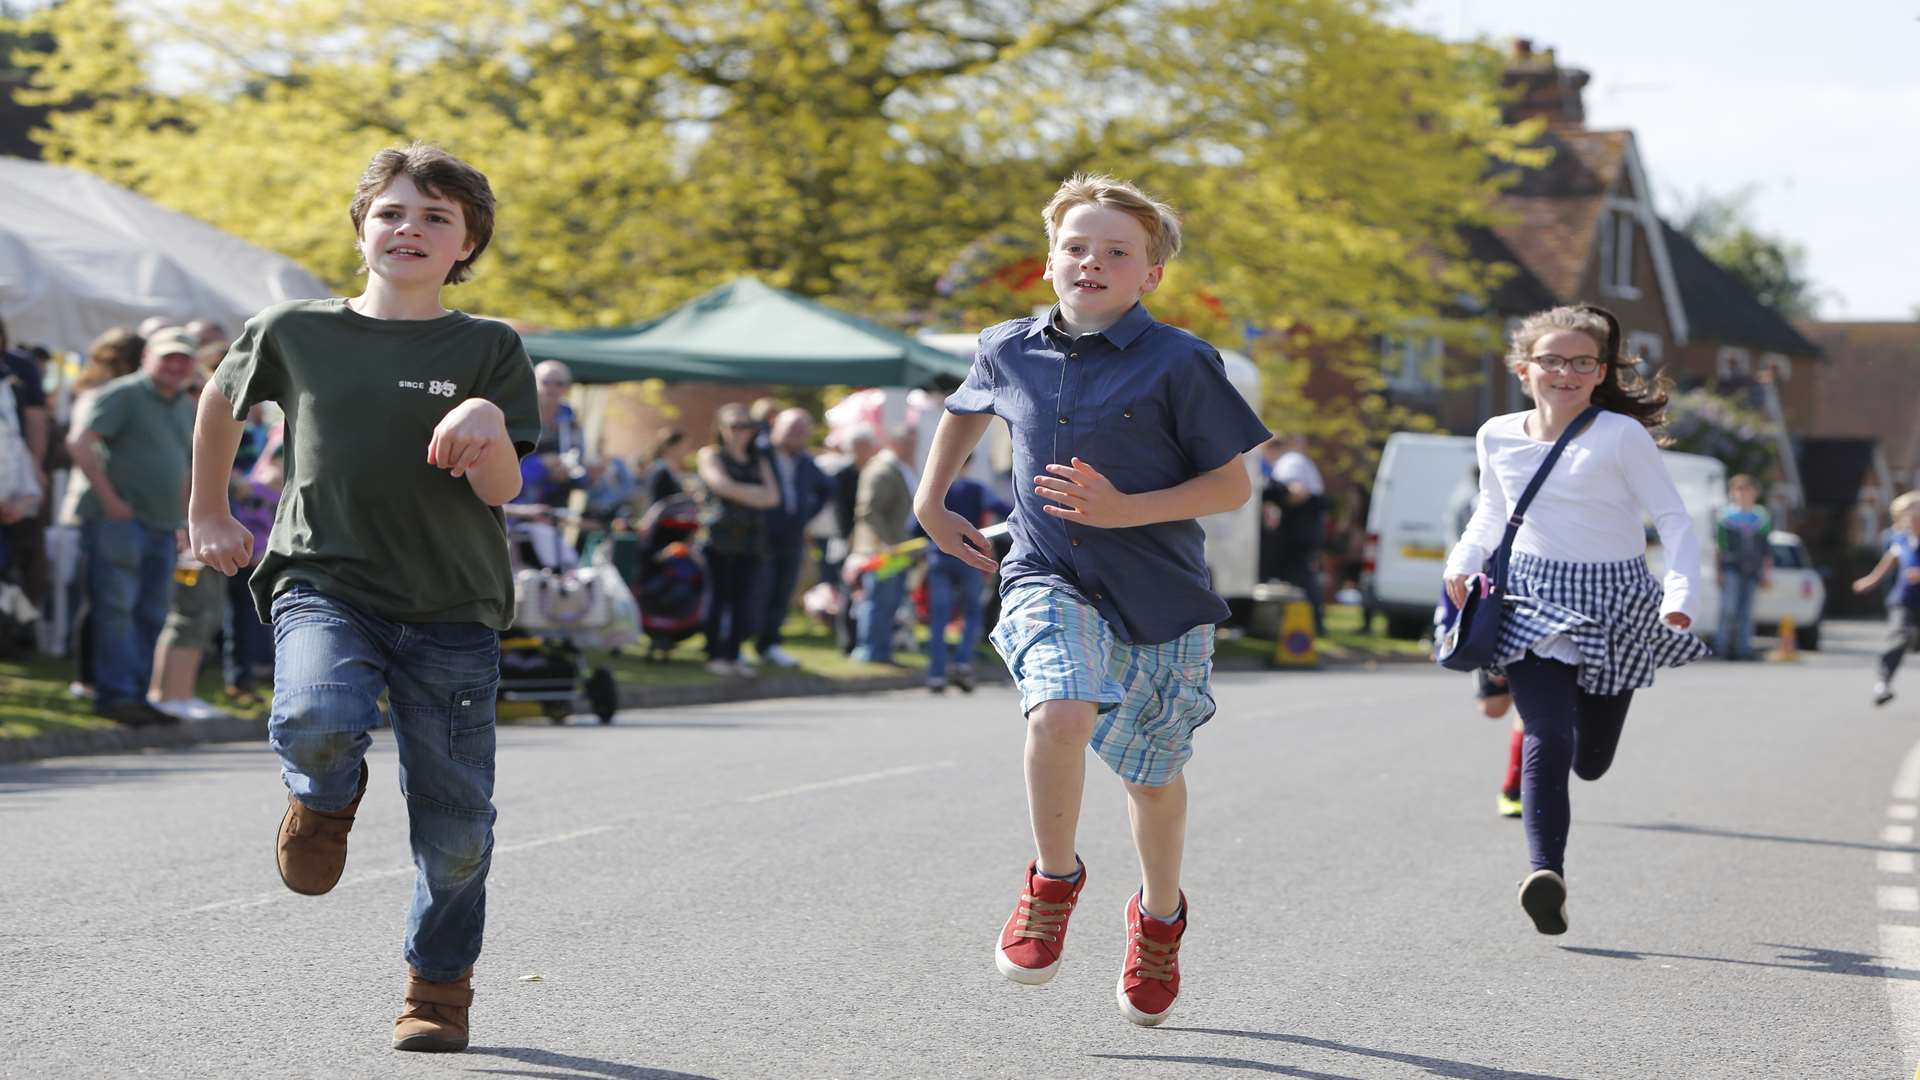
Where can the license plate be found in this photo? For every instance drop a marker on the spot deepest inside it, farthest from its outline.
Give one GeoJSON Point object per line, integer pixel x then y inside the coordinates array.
{"type": "Point", "coordinates": [1418, 551]}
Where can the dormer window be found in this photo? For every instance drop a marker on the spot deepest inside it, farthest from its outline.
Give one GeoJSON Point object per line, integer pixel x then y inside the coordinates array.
{"type": "Point", "coordinates": [1617, 228]}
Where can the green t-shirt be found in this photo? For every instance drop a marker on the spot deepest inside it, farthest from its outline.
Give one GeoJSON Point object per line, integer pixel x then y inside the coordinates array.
{"type": "Point", "coordinates": [146, 445]}
{"type": "Point", "coordinates": [363, 517]}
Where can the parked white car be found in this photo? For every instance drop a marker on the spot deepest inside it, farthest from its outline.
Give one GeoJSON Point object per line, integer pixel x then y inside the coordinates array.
{"type": "Point", "coordinates": [1794, 590]}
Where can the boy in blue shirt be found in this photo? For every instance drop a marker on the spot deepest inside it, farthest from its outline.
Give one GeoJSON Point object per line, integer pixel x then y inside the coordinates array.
{"type": "Point", "coordinates": [1129, 430]}
{"type": "Point", "coordinates": [1902, 560]}
{"type": "Point", "coordinates": [1746, 559]}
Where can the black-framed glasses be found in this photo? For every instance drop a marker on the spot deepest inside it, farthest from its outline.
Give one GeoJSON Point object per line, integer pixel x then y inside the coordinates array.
{"type": "Point", "coordinates": [1580, 365]}
{"type": "Point", "coordinates": [743, 425]}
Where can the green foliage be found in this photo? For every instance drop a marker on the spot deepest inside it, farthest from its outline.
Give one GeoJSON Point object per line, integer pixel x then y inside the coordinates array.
{"type": "Point", "coordinates": [1700, 421]}
{"type": "Point", "coordinates": [1772, 268]}
{"type": "Point", "coordinates": [849, 149]}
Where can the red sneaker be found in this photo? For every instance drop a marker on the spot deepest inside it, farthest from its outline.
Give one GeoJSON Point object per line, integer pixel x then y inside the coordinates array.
{"type": "Point", "coordinates": [1150, 981]}
{"type": "Point", "coordinates": [1036, 932]}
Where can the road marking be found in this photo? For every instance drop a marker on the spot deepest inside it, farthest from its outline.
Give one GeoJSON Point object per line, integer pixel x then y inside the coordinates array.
{"type": "Point", "coordinates": [1906, 787]}
{"type": "Point", "coordinates": [847, 781]}
{"type": "Point", "coordinates": [1900, 945]}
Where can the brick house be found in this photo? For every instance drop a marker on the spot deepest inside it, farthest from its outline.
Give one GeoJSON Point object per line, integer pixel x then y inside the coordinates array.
{"type": "Point", "coordinates": [1583, 228]}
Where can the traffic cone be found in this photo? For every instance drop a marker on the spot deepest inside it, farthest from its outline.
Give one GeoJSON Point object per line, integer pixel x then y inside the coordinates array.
{"type": "Point", "coordinates": [1789, 646]}
{"type": "Point", "coordinates": [1295, 645]}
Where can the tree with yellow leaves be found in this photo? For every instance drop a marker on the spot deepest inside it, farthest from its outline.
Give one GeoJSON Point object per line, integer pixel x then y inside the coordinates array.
{"type": "Point", "coordinates": [855, 150]}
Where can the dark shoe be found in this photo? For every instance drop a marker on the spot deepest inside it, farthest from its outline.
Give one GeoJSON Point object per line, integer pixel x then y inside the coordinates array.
{"type": "Point", "coordinates": [1882, 693]}
{"type": "Point", "coordinates": [963, 678]}
{"type": "Point", "coordinates": [1543, 896]}
{"type": "Point", "coordinates": [435, 1019]}
{"type": "Point", "coordinates": [312, 847]}
{"type": "Point", "coordinates": [243, 697]}
{"type": "Point", "coordinates": [133, 713]}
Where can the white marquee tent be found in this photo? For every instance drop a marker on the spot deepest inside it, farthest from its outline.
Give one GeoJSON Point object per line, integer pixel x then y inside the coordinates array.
{"type": "Point", "coordinates": [79, 255]}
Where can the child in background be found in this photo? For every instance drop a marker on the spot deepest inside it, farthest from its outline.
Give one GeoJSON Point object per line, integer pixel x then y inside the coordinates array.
{"type": "Point", "coordinates": [1902, 560]}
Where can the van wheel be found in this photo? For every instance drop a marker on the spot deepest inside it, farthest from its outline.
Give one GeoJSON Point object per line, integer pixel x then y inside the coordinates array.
{"type": "Point", "coordinates": [1406, 627]}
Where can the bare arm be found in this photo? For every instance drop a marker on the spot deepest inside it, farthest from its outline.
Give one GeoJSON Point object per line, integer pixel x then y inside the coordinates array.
{"type": "Point", "coordinates": [761, 496]}
{"type": "Point", "coordinates": [1087, 497]}
{"type": "Point", "coordinates": [1885, 567]}
{"type": "Point", "coordinates": [953, 440]}
{"type": "Point", "coordinates": [213, 535]}
{"type": "Point", "coordinates": [84, 447]}
{"type": "Point", "coordinates": [36, 436]}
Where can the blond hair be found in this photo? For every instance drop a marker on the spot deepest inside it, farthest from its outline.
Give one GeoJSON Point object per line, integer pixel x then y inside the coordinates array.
{"type": "Point", "coordinates": [1904, 505]}
{"type": "Point", "coordinates": [1161, 222]}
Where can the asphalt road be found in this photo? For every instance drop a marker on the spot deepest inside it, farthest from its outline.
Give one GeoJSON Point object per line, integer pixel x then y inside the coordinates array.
{"type": "Point", "coordinates": [812, 888]}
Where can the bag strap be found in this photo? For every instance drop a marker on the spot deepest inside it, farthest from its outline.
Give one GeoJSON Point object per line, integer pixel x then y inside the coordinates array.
{"type": "Point", "coordinates": [1519, 516]}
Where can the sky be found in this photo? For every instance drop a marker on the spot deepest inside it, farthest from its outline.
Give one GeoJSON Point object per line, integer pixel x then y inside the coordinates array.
{"type": "Point", "coordinates": [1816, 105]}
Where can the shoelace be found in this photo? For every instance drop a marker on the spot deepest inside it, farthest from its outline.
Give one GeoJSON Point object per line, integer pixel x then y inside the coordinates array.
{"type": "Point", "coordinates": [1041, 919]}
{"type": "Point", "coordinates": [1154, 959]}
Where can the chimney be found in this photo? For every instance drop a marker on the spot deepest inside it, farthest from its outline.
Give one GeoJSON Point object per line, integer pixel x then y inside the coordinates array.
{"type": "Point", "coordinates": [1541, 87]}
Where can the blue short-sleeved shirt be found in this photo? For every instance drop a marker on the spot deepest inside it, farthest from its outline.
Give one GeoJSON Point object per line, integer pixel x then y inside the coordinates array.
{"type": "Point", "coordinates": [1906, 548]}
{"type": "Point", "coordinates": [1147, 404]}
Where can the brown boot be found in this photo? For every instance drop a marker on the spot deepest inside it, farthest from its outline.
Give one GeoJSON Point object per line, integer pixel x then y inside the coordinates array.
{"type": "Point", "coordinates": [435, 1019]}
{"type": "Point", "coordinates": [312, 849]}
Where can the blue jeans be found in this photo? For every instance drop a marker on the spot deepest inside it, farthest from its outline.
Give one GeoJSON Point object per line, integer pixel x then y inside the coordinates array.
{"type": "Point", "coordinates": [1736, 614]}
{"type": "Point", "coordinates": [951, 582]}
{"type": "Point", "coordinates": [878, 606]}
{"type": "Point", "coordinates": [782, 574]}
{"type": "Point", "coordinates": [130, 586]}
{"type": "Point", "coordinates": [331, 660]}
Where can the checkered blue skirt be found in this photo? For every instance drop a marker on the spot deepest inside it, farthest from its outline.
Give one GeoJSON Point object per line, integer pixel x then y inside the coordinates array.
{"type": "Point", "coordinates": [1609, 611]}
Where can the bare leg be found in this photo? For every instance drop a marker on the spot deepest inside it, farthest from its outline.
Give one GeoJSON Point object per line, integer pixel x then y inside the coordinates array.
{"type": "Point", "coordinates": [1057, 737]}
{"type": "Point", "coordinates": [1159, 817]}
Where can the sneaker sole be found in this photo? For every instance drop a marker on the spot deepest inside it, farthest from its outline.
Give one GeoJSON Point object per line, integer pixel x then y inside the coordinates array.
{"type": "Point", "coordinates": [1144, 1019]}
{"type": "Point", "coordinates": [1025, 976]}
{"type": "Point", "coordinates": [1543, 896]}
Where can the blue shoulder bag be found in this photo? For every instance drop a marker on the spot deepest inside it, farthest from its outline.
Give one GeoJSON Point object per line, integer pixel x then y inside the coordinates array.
{"type": "Point", "coordinates": [1471, 639]}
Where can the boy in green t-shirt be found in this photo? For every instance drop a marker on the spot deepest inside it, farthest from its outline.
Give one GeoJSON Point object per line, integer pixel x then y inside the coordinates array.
{"type": "Point", "coordinates": [387, 566]}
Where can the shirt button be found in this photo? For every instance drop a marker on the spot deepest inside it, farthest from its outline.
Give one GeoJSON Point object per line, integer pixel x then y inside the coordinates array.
{"type": "Point", "coordinates": [1097, 596]}
{"type": "Point", "coordinates": [1128, 414]}
{"type": "Point", "coordinates": [1063, 419]}
{"type": "Point", "coordinates": [1076, 543]}
{"type": "Point", "coordinates": [1073, 356]}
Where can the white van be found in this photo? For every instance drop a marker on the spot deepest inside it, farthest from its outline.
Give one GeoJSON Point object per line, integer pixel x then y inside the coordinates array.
{"type": "Point", "coordinates": [1423, 493]}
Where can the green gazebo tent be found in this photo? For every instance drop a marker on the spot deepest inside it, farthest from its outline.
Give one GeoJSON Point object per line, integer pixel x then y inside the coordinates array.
{"type": "Point", "coordinates": [748, 332]}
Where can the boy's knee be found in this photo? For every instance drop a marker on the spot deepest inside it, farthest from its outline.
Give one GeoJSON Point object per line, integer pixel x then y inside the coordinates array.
{"type": "Point", "coordinates": [319, 729]}
{"type": "Point", "coordinates": [1591, 770]}
{"type": "Point", "coordinates": [453, 845]}
{"type": "Point", "coordinates": [1156, 793]}
{"type": "Point", "coordinates": [1063, 721]}
{"type": "Point", "coordinates": [319, 753]}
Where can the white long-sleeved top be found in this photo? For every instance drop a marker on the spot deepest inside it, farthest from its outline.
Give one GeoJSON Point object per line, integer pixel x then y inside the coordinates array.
{"type": "Point", "coordinates": [1589, 509]}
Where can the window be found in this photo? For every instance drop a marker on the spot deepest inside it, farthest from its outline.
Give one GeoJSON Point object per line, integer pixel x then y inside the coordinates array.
{"type": "Point", "coordinates": [1412, 365]}
{"type": "Point", "coordinates": [1617, 229]}
{"type": "Point", "coordinates": [1732, 363]}
{"type": "Point", "coordinates": [1647, 347]}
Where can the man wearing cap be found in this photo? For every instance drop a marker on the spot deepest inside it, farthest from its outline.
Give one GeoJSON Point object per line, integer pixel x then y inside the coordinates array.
{"type": "Point", "coordinates": [133, 456]}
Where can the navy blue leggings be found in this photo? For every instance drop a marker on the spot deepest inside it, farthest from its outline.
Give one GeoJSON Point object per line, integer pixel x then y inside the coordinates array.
{"type": "Point", "coordinates": [1566, 729]}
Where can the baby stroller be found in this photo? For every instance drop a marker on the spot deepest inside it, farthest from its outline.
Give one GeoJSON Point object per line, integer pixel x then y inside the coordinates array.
{"type": "Point", "coordinates": [559, 610]}
{"type": "Point", "coordinates": [672, 582]}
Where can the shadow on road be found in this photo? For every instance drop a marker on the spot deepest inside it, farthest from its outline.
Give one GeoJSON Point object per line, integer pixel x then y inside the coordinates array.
{"type": "Point", "coordinates": [1226, 1063]}
{"type": "Point", "coordinates": [1733, 834]}
{"type": "Point", "coordinates": [19, 779]}
{"type": "Point", "coordinates": [1455, 1070]}
{"type": "Point", "coordinates": [1817, 961]}
{"type": "Point", "coordinates": [578, 1068]}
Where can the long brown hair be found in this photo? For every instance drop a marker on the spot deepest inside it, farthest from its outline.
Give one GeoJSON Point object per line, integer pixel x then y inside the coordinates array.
{"type": "Point", "coordinates": [109, 356]}
{"type": "Point", "coordinates": [1622, 389]}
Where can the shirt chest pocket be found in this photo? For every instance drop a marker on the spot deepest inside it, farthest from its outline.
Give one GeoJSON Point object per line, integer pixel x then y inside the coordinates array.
{"type": "Point", "coordinates": [1132, 445]}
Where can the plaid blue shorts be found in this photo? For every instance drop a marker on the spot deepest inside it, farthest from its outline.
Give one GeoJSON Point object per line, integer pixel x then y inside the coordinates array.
{"type": "Point", "coordinates": [1151, 697]}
